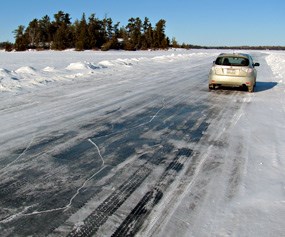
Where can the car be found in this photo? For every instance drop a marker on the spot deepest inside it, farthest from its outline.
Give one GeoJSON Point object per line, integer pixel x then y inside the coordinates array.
{"type": "Point", "coordinates": [233, 70]}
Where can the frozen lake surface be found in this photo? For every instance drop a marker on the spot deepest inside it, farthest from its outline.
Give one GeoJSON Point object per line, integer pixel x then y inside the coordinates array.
{"type": "Point", "coordinates": [132, 144]}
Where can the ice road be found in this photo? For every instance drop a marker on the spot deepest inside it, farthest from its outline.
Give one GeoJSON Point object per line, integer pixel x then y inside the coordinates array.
{"type": "Point", "coordinates": [133, 144]}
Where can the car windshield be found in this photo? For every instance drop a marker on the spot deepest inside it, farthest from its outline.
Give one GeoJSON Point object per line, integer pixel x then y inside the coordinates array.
{"type": "Point", "coordinates": [232, 61]}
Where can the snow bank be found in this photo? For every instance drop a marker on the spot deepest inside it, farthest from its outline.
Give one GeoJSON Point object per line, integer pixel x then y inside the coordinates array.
{"type": "Point", "coordinates": [276, 60]}
{"type": "Point", "coordinates": [37, 69]}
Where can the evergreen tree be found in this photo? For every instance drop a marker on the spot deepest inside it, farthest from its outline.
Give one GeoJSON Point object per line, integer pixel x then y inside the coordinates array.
{"type": "Point", "coordinates": [113, 34]}
{"type": "Point", "coordinates": [134, 29]}
{"type": "Point", "coordinates": [109, 28]}
{"type": "Point", "coordinates": [160, 40]}
{"type": "Point", "coordinates": [21, 42]}
{"type": "Point", "coordinates": [93, 31]}
{"type": "Point", "coordinates": [63, 37]}
{"type": "Point", "coordinates": [97, 32]}
{"type": "Point", "coordinates": [147, 34]}
{"type": "Point", "coordinates": [45, 32]}
{"type": "Point", "coordinates": [32, 33]}
{"type": "Point", "coordinates": [174, 43]}
{"type": "Point", "coordinates": [81, 34]}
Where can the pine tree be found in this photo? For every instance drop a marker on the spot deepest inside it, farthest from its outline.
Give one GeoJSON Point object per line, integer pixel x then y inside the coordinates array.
{"type": "Point", "coordinates": [134, 29]}
{"type": "Point", "coordinates": [63, 37]}
{"type": "Point", "coordinates": [21, 42]}
{"type": "Point", "coordinates": [32, 33]}
{"type": "Point", "coordinates": [160, 40]}
{"type": "Point", "coordinates": [113, 34]}
{"type": "Point", "coordinates": [81, 34]}
{"type": "Point", "coordinates": [45, 33]}
{"type": "Point", "coordinates": [174, 43]}
{"type": "Point", "coordinates": [93, 31]}
{"type": "Point", "coordinates": [147, 34]}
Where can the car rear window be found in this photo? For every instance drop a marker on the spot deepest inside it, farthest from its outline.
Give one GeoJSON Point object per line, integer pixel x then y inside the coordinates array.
{"type": "Point", "coordinates": [232, 61]}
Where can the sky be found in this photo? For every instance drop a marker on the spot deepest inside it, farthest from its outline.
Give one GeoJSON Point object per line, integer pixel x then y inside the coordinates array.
{"type": "Point", "coordinates": [198, 22]}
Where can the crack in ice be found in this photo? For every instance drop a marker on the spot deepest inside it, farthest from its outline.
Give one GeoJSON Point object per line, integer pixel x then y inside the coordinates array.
{"type": "Point", "coordinates": [10, 218]}
{"type": "Point", "coordinates": [23, 153]}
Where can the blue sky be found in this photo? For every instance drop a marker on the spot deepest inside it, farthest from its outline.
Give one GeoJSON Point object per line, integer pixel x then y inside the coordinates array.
{"type": "Point", "coordinates": [200, 22]}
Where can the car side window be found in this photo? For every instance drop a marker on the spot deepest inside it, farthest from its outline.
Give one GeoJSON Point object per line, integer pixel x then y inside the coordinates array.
{"type": "Point", "coordinates": [244, 62]}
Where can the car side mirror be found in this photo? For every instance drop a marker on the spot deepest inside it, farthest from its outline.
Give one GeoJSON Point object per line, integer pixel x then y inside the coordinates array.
{"type": "Point", "coordinates": [256, 65]}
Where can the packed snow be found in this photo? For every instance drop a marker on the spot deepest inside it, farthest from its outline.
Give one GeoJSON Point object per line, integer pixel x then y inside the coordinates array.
{"type": "Point", "coordinates": [37, 87]}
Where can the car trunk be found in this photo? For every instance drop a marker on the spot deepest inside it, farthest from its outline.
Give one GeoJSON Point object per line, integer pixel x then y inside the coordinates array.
{"type": "Point", "coordinates": [231, 71]}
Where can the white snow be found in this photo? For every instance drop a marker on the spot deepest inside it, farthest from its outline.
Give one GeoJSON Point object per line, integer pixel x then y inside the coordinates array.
{"type": "Point", "coordinates": [40, 65]}
{"type": "Point", "coordinates": [276, 61]}
{"type": "Point", "coordinates": [30, 80]}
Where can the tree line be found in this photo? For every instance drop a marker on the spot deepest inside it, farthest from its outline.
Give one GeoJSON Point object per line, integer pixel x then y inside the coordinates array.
{"type": "Point", "coordinates": [238, 47]}
{"type": "Point", "coordinates": [92, 33]}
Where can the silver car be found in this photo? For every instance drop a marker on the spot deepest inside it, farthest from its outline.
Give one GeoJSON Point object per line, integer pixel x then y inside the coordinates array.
{"type": "Point", "coordinates": [233, 70]}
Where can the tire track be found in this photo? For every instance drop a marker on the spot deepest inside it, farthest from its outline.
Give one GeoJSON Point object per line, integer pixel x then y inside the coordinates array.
{"type": "Point", "coordinates": [133, 222]}
{"type": "Point", "coordinates": [109, 206]}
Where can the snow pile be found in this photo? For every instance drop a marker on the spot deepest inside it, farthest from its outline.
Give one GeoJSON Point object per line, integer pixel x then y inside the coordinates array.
{"type": "Point", "coordinates": [81, 66]}
{"type": "Point", "coordinates": [119, 62]}
{"type": "Point", "coordinates": [8, 81]}
{"type": "Point", "coordinates": [49, 69]}
{"type": "Point", "coordinates": [26, 70]}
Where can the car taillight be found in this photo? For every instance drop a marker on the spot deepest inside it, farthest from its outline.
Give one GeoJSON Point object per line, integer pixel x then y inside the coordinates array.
{"type": "Point", "coordinates": [247, 70]}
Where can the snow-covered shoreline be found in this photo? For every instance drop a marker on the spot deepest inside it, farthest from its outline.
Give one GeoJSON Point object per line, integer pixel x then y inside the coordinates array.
{"type": "Point", "coordinates": [23, 70]}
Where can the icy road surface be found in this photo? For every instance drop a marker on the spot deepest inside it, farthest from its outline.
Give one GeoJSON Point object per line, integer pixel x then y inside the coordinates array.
{"type": "Point", "coordinates": [133, 144]}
